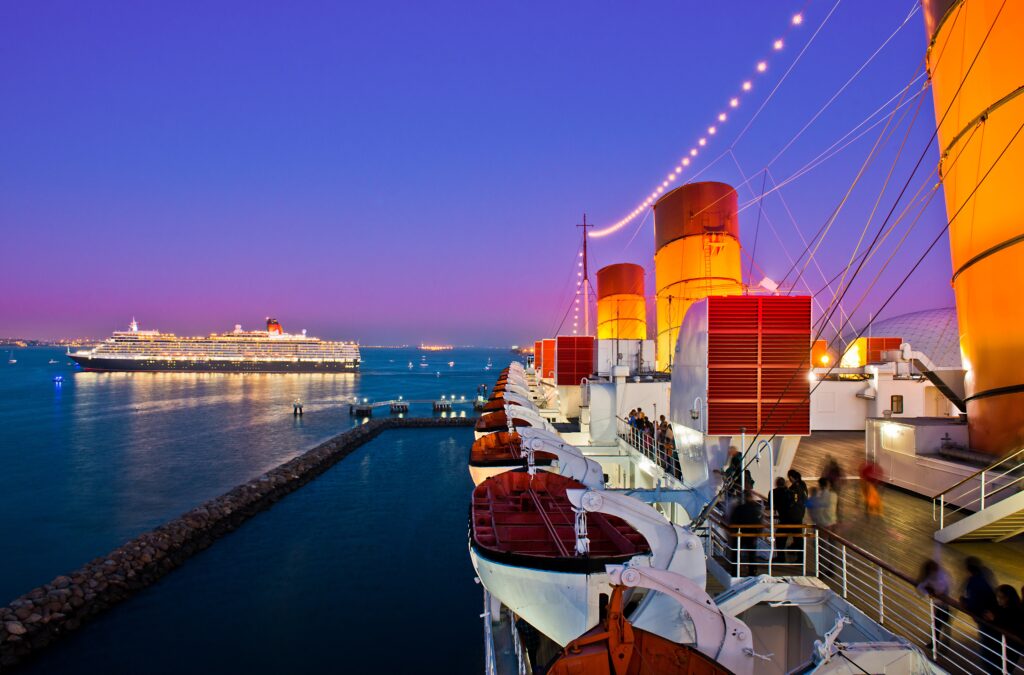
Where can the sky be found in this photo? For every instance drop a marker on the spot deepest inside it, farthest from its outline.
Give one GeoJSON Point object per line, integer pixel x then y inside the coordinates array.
{"type": "Point", "coordinates": [402, 171]}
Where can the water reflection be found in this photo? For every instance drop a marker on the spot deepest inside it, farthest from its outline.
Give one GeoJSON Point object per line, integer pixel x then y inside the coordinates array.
{"type": "Point", "coordinates": [106, 456]}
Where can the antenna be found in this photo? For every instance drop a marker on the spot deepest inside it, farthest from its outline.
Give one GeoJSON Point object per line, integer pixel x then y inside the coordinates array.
{"type": "Point", "coordinates": [586, 277]}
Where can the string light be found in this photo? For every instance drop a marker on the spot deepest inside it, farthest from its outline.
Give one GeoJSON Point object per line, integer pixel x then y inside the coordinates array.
{"type": "Point", "coordinates": [734, 102]}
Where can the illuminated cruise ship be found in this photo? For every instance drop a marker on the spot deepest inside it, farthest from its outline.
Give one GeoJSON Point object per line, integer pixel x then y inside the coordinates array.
{"type": "Point", "coordinates": [240, 351]}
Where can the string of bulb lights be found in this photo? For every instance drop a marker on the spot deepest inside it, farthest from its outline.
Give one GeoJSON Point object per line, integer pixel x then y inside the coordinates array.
{"type": "Point", "coordinates": [722, 118]}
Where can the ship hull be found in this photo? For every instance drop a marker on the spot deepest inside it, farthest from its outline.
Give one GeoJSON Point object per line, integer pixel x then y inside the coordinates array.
{"type": "Point", "coordinates": [210, 366]}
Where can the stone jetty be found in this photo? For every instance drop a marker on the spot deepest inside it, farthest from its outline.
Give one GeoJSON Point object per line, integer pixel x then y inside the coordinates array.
{"type": "Point", "coordinates": [43, 614]}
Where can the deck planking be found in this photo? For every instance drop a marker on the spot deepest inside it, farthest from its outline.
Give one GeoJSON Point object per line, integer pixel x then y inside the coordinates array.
{"type": "Point", "coordinates": [904, 535]}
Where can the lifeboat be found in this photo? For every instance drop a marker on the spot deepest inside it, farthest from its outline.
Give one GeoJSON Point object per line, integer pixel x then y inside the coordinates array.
{"type": "Point", "coordinates": [500, 452]}
{"type": "Point", "coordinates": [526, 552]}
{"type": "Point", "coordinates": [517, 415]}
{"type": "Point", "coordinates": [509, 398]}
{"type": "Point", "coordinates": [719, 645]}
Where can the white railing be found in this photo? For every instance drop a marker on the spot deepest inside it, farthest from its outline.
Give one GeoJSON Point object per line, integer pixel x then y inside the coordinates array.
{"type": "Point", "coordinates": [941, 627]}
{"type": "Point", "coordinates": [661, 451]}
{"type": "Point", "coordinates": [522, 657]}
{"type": "Point", "coordinates": [489, 665]}
{"type": "Point", "coordinates": [977, 491]}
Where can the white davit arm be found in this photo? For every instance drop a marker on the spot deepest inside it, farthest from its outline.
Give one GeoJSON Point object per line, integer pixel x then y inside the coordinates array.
{"type": "Point", "coordinates": [517, 389]}
{"type": "Point", "coordinates": [673, 548]}
{"type": "Point", "coordinates": [721, 637]}
{"type": "Point", "coordinates": [571, 461]}
{"type": "Point", "coordinates": [521, 413]}
{"type": "Point", "coordinates": [519, 400]}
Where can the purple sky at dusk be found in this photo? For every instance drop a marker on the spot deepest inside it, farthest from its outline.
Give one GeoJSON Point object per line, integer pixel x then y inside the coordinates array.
{"type": "Point", "coordinates": [404, 171]}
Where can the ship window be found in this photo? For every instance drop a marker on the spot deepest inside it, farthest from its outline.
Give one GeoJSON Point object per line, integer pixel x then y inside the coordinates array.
{"type": "Point", "coordinates": [896, 404]}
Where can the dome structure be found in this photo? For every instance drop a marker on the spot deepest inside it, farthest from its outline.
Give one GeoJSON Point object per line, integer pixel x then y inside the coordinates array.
{"type": "Point", "coordinates": [933, 332]}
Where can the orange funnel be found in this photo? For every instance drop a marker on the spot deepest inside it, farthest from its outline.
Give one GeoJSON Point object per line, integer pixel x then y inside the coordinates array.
{"type": "Point", "coordinates": [986, 233]}
{"type": "Point", "coordinates": [697, 254]}
{"type": "Point", "coordinates": [621, 308]}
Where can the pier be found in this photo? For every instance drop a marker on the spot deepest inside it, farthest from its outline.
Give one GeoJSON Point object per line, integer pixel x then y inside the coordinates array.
{"type": "Point", "coordinates": [400, 405]}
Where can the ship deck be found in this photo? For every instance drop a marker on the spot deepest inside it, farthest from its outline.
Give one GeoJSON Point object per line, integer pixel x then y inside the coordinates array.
{"type": "Point", "coordinates": [903, 535]}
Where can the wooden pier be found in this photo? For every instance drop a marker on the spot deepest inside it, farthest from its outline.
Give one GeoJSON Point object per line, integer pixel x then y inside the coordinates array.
{"type": "Point", "coordinates": [400, 405]}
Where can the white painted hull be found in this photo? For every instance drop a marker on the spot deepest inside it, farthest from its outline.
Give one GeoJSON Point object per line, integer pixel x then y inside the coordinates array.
{"type": "Point", "coordinates": [561, 605]}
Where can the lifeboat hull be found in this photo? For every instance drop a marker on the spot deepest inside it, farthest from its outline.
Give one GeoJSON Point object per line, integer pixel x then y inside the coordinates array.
{"type": "Point", "coordinates": [561, 605]}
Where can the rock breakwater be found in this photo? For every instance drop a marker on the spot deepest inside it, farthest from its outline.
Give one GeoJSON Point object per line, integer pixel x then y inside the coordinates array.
{"type": "Point", "coordinates": [42, 615]}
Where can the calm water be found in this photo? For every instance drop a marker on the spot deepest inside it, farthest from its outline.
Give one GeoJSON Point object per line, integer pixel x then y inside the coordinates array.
{"type": "Point", "coordinates": [90, 463]}
{"type": "Point", "coordinates": [364, 570]}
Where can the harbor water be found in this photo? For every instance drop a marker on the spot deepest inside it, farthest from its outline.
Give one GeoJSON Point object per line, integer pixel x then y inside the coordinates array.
{"type": "Point", "coordinates": [96, 459]}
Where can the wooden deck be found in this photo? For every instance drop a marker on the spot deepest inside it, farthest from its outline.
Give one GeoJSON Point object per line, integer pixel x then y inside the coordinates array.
{"type": "Point", "coordinates": [903, 535]}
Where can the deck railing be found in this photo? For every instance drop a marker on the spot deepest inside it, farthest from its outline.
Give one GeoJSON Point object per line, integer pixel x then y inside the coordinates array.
{"type": "Point", "coordinates": [941, 627]}
{"type": "Point", "coordinates": [977, 491]}
{"type": "Point", "coordinates": [649, 444]}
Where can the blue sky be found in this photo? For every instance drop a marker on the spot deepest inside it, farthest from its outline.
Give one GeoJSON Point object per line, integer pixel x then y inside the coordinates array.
{"type": "Point", "coordinates": [404, 171]}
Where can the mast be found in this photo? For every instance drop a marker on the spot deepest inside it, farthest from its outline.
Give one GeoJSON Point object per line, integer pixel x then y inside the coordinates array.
{"type": "Point", "coordinates": [586, 277]}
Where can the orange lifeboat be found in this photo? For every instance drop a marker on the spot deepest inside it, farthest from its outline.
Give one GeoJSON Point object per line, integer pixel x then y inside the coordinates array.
{"type": "Point", "coordinates": [500, 452]}
{"type": "Point", "coordinates": [615, 647]}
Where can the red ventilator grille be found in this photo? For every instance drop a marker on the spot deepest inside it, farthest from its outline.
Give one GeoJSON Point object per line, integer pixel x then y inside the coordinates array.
{"type": "Point", "coordinates": [575, 358]}
{"type": "Point", "coordinates": [758, 361]}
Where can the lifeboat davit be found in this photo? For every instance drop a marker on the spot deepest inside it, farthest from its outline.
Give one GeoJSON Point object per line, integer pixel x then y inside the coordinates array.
{"type": "Point", "coordinates": [719, 644]}
{"type": "Point", "coordinates": [500, 452]}
{"type": "Point", "coordinates": [526, 552]}
{"type": "Point", "coordinates": [510, 398]}
{"type": "Point", "coordinates": [499, 421]}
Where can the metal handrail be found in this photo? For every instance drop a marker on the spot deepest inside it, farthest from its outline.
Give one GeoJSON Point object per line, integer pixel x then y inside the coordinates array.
{"type": "Point", "coordinates": [648, 445]}
{"type": "Point", "coordinates": [982, 471]}
{"type": "Point", "coordinates": [941, 626]}
{"type": "Point", "coordinates": [940, 501]}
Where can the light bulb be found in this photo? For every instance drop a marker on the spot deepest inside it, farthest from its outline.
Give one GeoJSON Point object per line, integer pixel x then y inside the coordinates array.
{"type": "Point", "coordinates": [798, 19]}
{"type": "Point", "coordinates": [762, 66]}
{"type": "Point", "coordinates": [747, 85]}
{"type": "Point", "coordinates": [735, 102]}
{"type": "Point", "coordinates": [777, 45]}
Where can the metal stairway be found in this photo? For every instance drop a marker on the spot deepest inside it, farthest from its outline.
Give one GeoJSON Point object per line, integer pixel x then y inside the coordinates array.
{"type": "Point", "coordinates": [990, 503]}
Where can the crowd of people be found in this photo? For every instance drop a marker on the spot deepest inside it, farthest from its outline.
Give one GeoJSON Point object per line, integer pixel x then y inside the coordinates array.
{"type": "Point", "coordinates": [655, 435]}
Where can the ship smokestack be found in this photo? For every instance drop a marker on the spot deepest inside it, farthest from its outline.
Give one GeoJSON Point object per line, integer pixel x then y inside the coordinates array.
{"type": "Point", "coordinates": [621, 308]}
{"type": "Point", "coordinates": [986, 234]}
{"type": "Point", "coordinates": [274, 327]}
{"type": "Point", "coordinates": [697, 254]}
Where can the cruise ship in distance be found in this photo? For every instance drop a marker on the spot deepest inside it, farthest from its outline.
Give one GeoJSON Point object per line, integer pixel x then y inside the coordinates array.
{"type": "Point", "coordinates": [240, 351]}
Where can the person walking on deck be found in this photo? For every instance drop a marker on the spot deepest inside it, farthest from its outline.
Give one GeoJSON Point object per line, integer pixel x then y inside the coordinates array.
{"type": "Point", "coordinates": [979, 598]}
{"type": "Point", "coordinates": [871, 477]}
{"type": "Point", "coordinates": [822, 505]}
{"type": "Point", "coordinates": [935, 582]}
{"type": "Point", "coordinates": [833, 473]}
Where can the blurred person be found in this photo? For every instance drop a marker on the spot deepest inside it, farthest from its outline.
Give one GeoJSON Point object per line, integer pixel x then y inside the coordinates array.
{"type": "Point", "coordinates": [934, 581]}
{"type": "Point", "coordinates": [979, 598]}
{"type": "Point", "coordinates": [871, 477]}
{"type": "Point", "coordinates": [833, 473]}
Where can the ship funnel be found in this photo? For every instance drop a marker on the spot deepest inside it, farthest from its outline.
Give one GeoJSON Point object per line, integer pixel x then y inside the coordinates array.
{"type": "Point", "coordinates": [975, 67]}
{"type": "Point", "coordinates": [621, 309]}
{"type": "Point", "coordinates": [697, 254]}
{"type": "Point", "coordinates": [274, 327]}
